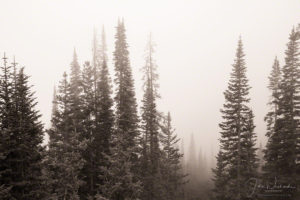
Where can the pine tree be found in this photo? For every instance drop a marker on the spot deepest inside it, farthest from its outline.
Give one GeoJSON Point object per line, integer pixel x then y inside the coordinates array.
{"type": "Point", "coordinates": [237, 151]}
{"type": "Point", "coordinates": [151, 152]}
{"type": "Point", "coordinates": [103, 48]}
{"type": "Point", "coordinates": [104, 130]}
{"type": "Point", "coordinates": [99, 56]}
{"type": "Point", "coordinates": [21, 137]}
{"type": "Point", "coordinates": [96, 128]}
{"type": "Point", "coordinates": [82, 114]}
{"type": "Point", "coordinates": [96, 65]}
{"type": "Point", "coordinates": [271, 118]}
{"type": "Point", "coordinates": [99, 123]}
{"type": "Point", "coordinates": [173, 176]}
{"type": "Point", "coordinates": [30, 129]}
{"type": "Point", "coordinates": [64, 154]}
{"type": "Point", "coordinates": [7, 143]}
{"type": "Point", "coordinates": [249, 160]}
{"type": "Point", "coordinates": [125, 183]}
{"type": "Point", "coordinates": [105, 112]}
{"type": "Point", "coordinates": [75, 91]}
{"type": "Point", "coordinates": [88, 109]}
{"type": "Point", "coordinates": [6, 93]}
{"type": "Point", "coordinates": [99, 52]}
{"type": "Point", "coordinates": [281, 152]}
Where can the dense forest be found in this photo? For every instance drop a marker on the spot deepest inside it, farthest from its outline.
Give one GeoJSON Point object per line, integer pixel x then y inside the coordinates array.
{"type": "Point", "coordinates": [103, 146]}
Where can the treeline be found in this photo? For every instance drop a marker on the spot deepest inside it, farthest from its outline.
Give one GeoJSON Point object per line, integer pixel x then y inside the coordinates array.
{"type": "Point", "coordinates": [99, 148]}
{"type": "Point", "coordinates": [238, 161]}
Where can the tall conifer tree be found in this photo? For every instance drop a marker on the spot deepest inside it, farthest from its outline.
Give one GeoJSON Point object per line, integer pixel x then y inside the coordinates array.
{"type": "Point", "coordinates": [30, 131]}
{"type": "Point", "coordinates": [173, 177]}
{"type": "Point", "coordinates": [103, 48]}
{"type": "Point", "coordinates": [64, 155]}
{"type": "Point", "coordinates": [88, 96]}
{"type": "Point", "coordinates": [152, 155]}
{"type": "Point", "coordinates": [21, 137]}
{"type": "Point", "coordinates": [6, 143]}
{"type": "Point", "coordinates": [99, 122]}
{"type": "Point", "coordinates": [281, 152]}
{"type": "Point", "coordinates": [237, 153]}
{"type": "Point", "coordinates": [104, 129]}
{"type": "Point", "coordinates": [75, 92]}
{"type": "Point", "coordinates": [125, 183]}
{"type": "Point", "coordinates": [271, 118]}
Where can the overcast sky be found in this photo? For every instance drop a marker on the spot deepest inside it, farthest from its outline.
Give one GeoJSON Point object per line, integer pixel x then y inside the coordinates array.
{"type": "Point", "coordinates": [195, 47]}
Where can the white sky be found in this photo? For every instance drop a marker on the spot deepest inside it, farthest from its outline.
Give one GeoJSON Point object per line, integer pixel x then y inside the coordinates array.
{"type": "Point", "coordinates": [196, 42]}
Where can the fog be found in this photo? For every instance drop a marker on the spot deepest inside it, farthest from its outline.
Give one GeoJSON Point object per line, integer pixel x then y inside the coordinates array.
{"type": "Point", "coordinates": [196, 43]}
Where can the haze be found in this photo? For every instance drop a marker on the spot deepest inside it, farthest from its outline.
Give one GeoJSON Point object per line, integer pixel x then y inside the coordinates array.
{"type": "Point", "coordinates": [196, 42]}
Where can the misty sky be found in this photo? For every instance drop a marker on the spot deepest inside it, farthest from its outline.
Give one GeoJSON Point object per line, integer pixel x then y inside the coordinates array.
{"type": "Point", "coordinates": [196, 42]}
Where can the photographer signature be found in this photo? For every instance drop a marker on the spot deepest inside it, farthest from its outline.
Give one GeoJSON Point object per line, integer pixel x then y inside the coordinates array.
{"type": "Point", "coordinates": [255, 185]}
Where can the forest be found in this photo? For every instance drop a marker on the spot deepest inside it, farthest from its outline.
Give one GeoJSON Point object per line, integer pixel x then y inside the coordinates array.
{"type": "Point", "coordinates": [103, 146]}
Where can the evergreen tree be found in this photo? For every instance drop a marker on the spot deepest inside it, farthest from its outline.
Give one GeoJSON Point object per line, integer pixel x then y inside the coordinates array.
{"type": "Point", "coordinates": [82, 116]}
{"type": "Point", "coordinates": [6, 94]}
{"type": "Point", "coordinates": [99, 123]}
{"type": "Point", "coordinates": [104, 130]}
{"type": "Point", "coordinates": [96, 63]}
{"type": "Point", "coordinates": [99, 51]}
{"type": "Point", "coordinates": [237, 152]}
{"type": "Point", "coordinates": [98, 127]}
{"type": "Point", "coordinates": [7, 143]}
{"type": "Point", "coordinates": [249, 160]}
{"type": "Point", "coordinates": [75, 91]}
{"type": "Point", "coordinates": [21, 137]}
{"type": "Point", "coordinates": [281, 152]}
{"type": "Point", "coordinates": [103, 47]}
{"type": "Point", "coordinates": [64, 155]}
{"type": "Point", "coordinates": [125, 183]}
{"type": "Point", "coordinates": [172, 170]}
{"type": "Point", "coordinates": [151, 152]}
{"type": "Point", "coordinates": [88, 109]}
{"type": "Point", "coordinates": [271, 118]}
{"type": "Point", "coordinates": [30, 130]}
{"type": "Point", "coordinates": [105, 112]}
